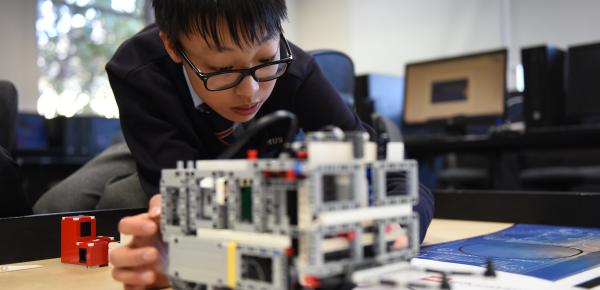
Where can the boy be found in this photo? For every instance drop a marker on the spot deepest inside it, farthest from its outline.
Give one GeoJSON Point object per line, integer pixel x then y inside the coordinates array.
{"type": "Point", "coordinates": [185, 86]}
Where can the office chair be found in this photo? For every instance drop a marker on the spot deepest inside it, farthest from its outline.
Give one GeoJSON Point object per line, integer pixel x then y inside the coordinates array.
{"type": "Point", "coordinates": [14, 202]}
{"type": "Point", "coordinates": [8, 115]}
{"type": "Point", "coordinates": [338, 68]}
{"type": "Point", "coordinates": [13, 199]}
{"type": "Point", "coordinates": [464, 171]}
{"type": "Point", "coordinates": [575, 170]}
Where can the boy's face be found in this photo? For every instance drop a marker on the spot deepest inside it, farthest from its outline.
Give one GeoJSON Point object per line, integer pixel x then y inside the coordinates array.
{"type": "Point", "coordinates": [242, 102]}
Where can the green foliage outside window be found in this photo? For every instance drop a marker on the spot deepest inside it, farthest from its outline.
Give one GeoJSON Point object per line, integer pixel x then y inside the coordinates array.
{"type": "Point", "coordinates": [75, 40]}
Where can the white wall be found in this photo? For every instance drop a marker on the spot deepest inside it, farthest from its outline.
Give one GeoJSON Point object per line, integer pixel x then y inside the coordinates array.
{"type": "Point", "coordinates": [320, 24]}
{"type": "Point", "coordinates": [561, 23]}
{"type": "Point", "coordinates": [389, 33]}
{"type": "Point", "coordinates": [18, 49]}
{"type": "Point", "coordinates": [383, 35]}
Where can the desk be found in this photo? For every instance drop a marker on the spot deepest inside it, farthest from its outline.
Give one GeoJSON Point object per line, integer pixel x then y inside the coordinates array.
{"type": "Point", "coordinates": [583, 136]}
{"type": "Point", "coordinates": [579, 209]}
{"type": "Point", "coordinates": [503, 157]}
{"type": "Point", "coordinates": [445, 230]}
{"type": "Point", "coordinates": [54, 275]}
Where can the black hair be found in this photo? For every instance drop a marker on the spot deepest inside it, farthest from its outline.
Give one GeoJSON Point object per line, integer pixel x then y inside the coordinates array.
{"type": "Point", "coordinates": [249, 21]}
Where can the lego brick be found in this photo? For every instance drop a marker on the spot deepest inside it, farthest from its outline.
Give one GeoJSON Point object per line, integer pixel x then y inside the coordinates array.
{"type": "Point", "coordinates": [79, 243]}
{"type": "Point", "coordinates": [72, 230]}
{"type": "Point", "coordinates": [92, 253]}
{"type": "Point", "coordinates": [200, 260]}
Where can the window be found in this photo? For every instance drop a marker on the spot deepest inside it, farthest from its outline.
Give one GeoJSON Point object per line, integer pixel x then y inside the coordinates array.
{"type": "Point", "coordinates": [75, 40]}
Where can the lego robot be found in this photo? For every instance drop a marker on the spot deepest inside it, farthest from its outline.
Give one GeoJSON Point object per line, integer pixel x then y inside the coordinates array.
{"type": "Point", "coordinates": [308, 219]}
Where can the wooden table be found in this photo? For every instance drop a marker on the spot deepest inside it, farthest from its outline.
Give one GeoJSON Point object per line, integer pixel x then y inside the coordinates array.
{"type": "Point", "coordinates": [444, 230]}
{"type": "Point", "coordinates": [55, 275]}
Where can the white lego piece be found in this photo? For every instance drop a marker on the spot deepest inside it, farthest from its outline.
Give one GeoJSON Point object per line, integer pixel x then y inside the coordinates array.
{"type": "Point", "coordinates": [363, 214]}
{"type": "Point", "coordinates": [207, 182]}
{"type": "Point", "coordinates": [341, 243]}
{"type": "Point", "coordinates": [221, 190]}
{"type": "Point", "coordinates": [125, 239]}
{"type": "Point", "coordinates": [111, 247]}
{"type": "Point", "coordinates": [320, 152]}
{"type": "Point", "coordinates": [395, 151]}
{"type": "Point", "coordinates": [247, 238]}
{"type": "Point", "coordinates": [223, 165]}
{"type": "Point", "coordinates": [370, 152]}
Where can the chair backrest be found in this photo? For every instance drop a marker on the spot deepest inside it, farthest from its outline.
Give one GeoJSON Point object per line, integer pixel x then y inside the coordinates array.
{"type": "Point", "coordinates": [14, 202]}
{"type": "Point", "coordinates": [338, 68]}
{"type": "Point", "coordinates": [8, 114]}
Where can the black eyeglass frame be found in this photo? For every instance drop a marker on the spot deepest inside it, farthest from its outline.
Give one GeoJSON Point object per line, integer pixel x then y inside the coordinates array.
{"type": "Point", "coordinates": [244, 72]}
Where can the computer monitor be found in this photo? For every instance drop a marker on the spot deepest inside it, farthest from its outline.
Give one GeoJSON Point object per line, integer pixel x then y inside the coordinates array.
{"type": "Point", "coordinates": [382, 94]}
{"type": "Point", "coordinates": [32, 133]}
{"type": "Point", "coordinates": [465, 90]}
{"type": "Point", "coordinates": [89, 135]}
{"type": "Point", "coordinates": [582, 104]}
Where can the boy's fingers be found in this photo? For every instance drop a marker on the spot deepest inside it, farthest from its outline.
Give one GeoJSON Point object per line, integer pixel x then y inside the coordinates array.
{"type": "Point", "coordinates": [139, 225]}
{"type": "Point", "coordinates": [154, 213]}
{"type": "Point", "coordinates": [155, 206]}
{"type": "Point", "coordinates": [128, 257]}
{"type": "Point", "coordinates": [134, 277]}
{"type": "Point", "coordinates": [155, 200]}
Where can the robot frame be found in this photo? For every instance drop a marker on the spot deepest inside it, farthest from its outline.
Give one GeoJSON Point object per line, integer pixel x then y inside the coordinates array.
{"type": "Point", "coordinates": [308, 219]}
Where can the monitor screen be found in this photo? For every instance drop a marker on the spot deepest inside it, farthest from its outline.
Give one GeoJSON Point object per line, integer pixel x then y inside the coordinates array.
{"type": "Point", "coordinates": [387, 94]}
{"type": "Point", "coordinates": [32, 132]}
{"type": "Point", "coordinates": [471, 87]}
{"type": "Point", "coordinates": [382, 94]}
{"type": "Point", "coordinates": [89, 135]}
{"type": "Point", "coordinates": [103, 133]}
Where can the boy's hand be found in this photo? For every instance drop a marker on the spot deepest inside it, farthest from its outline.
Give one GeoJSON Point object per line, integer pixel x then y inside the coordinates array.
{"type": "Point", "coordinates": [141, 263]}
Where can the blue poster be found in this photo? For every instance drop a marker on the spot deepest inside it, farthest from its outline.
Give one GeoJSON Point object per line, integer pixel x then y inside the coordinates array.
{"type": "Point", "coordinates": [547, 252]}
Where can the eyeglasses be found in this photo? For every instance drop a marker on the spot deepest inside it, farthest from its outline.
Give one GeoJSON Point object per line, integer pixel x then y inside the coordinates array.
{"type": "Point", "coordinates": [222, 80]}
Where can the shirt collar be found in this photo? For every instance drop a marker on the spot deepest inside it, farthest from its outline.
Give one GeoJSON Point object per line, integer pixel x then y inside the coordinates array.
{"type": "Point", "coordinates": [195, 98]}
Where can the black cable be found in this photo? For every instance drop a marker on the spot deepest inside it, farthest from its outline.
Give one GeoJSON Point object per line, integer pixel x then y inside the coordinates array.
{"type": "Point", "coordinates": [260, 125]}
{"type": "Point", "coordinates": [382, 136]}
{"type": "Point", "coordinates": [337, 132]}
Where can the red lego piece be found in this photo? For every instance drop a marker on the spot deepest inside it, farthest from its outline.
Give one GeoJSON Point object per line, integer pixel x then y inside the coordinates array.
{"type": "Point", "coordinates": [349, 235]}
{"type": "Point", "coordinates": [252, 154]}
{"type": "Point", "coordinates": [290, 175]}
{"type": "Point", "coordinates": [104, 238]}
{"type": "Point", "coordinates": [79, 244]}
{"type": "Point", "coordinates": [301, 154]}
{"type": "Point", "coordinates": [93, 253]}
{"type": "Point", "coordinates": [312, 282]}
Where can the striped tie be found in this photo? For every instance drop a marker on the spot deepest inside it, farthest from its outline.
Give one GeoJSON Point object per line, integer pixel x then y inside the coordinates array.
{"type": "Point", "coordinates": [226, 136]}
{"type": "Point", "coordinates": [222, 128]}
